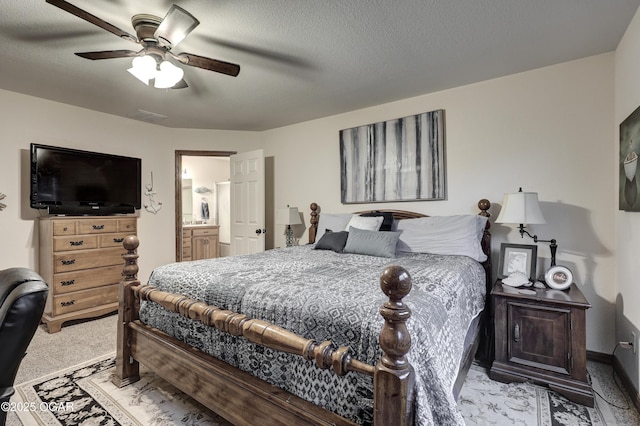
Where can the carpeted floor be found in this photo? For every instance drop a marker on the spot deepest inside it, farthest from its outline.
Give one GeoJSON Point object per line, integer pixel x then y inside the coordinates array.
{"type": "Point", "coordinates": [56, 376]}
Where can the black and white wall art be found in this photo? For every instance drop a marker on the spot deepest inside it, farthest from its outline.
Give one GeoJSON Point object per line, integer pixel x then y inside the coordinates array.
{"type": "Point", "coordinates": [628, 160]}
{"type": "Point", "coordinates": [395, 160]}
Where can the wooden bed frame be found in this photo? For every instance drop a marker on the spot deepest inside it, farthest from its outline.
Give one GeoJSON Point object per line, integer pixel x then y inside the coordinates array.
{"type": "Point", "coordinates": [246, 400]}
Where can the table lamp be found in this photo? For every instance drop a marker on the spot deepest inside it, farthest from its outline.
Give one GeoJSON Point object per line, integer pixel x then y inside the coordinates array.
{"type": "Point", "coordinates": [289, 216]}
{"type": "Point", "coordinates": [523, 208]}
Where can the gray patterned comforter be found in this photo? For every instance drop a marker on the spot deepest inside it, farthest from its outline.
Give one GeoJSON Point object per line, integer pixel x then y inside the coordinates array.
{"type": "Point", "coordinates": [323, 295]}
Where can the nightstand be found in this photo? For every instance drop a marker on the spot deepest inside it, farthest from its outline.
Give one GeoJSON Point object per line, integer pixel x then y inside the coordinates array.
{"type": "Point", "coordinates": [540, 336]}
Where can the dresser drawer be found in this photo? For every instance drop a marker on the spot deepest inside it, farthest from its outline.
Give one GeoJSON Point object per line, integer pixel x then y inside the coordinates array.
{"type": "Point", "coordinates": [64, 227]}
{"type": "Point", "coordinates": [68, 262]}
{"type": "Point", "coordinates": [127, 225]}
{"type": "Point", "coordinates": [97, 226]}
{"type": "Point", "coordinates": [186, 243]}
{"type": "Point", "coordinates": [114, 240]}
{"type": "Point", "coordinates": [75, 243]}
{"type": "Point", "coordinates": [84, 299]}
{"type": "Point", "coordinates": [82, 280]}
{"type": "Point", "coordinates": [201, 232]}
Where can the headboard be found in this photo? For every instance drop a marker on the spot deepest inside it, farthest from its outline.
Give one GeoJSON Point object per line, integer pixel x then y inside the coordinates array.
{"type": "Point", "coordinates": [483, 205]}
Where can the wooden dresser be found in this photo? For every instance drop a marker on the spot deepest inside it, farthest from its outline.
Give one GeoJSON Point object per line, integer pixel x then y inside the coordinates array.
{"type": "Point", "coordinates": [81, 260]}
{"type": "Point", "coordinates": [200, 242]}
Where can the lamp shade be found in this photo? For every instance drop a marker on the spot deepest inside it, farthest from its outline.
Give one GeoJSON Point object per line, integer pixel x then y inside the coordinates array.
{"type": "Point", "coordinates": [521, 207]}
{"type": "Point", "coordinates": [288, 216]}
{"type": "Point", "coordinates": [143, 68]}
{"type": "Point", "coordinates": [175, 26]}
{"type": "Point", "coordinates": [168, 75]}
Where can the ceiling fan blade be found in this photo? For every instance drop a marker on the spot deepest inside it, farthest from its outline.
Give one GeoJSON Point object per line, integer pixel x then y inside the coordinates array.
{"type": "Point", "coordinates": [107, 54]}
{"type": "Point", "coordinates": [175, 26]}
{"type": "Point", "coordinates": [208, 63]}
{"type": "Point", "coordinates": [180, 85]}
{"type": "Point", "coordinates": [83, 14]}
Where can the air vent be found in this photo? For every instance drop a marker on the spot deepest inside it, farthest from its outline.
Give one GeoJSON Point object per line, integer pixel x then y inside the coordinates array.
{"type": "Point", "coordinates": [149, 117]}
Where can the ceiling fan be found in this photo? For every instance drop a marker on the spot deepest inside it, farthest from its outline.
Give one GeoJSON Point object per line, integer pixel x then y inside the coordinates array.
{"type": "Point", "coordinates": [157, 37]}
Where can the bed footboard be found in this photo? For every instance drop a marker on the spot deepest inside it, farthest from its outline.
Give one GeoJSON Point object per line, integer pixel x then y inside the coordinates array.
{"type": "Point", "coordinates": [127, 368]}
{"type": "Point", "coordinates": [393, 375]}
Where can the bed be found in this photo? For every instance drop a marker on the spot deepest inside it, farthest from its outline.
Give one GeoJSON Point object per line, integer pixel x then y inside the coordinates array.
{"type": "Point", "coordinates": [303, 335]}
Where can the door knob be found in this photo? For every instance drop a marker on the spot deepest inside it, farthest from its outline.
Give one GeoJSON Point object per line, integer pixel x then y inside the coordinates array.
{"type": "Point", "coordinates": [261, 231]}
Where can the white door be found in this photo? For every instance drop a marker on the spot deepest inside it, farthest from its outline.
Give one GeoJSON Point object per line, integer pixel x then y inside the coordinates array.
{"type": "Point", "coordinates": [247, 202]}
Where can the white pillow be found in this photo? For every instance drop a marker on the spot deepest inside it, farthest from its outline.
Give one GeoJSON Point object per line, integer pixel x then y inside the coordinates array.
{"type": "Point", "coordinates": [368, 223]}
{"type": "Point", "coordinates": [335, 222]}
{"type": "Point", "coordinates": [460, 235]}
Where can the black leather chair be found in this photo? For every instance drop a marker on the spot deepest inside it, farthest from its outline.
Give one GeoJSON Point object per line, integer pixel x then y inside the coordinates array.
{"type": "Point", "coordinates": [23, 294]}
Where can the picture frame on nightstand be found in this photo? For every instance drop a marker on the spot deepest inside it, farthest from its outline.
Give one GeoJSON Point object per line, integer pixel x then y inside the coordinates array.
{"type": "Point", "coordinates": [518, 258]}
{"type": "Point", "coordinates": [559, 277]}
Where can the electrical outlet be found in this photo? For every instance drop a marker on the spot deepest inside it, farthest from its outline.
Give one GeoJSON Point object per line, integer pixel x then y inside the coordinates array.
{"type": "Point", "coordinates": [634, 342]}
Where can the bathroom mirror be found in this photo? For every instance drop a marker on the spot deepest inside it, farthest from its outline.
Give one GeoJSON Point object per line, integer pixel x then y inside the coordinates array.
{"type": "Point", "coordinates": [187, 200]}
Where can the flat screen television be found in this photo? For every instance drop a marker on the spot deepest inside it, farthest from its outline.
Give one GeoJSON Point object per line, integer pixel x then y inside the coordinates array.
{"type": "Point", "coordinates": [74, 182]}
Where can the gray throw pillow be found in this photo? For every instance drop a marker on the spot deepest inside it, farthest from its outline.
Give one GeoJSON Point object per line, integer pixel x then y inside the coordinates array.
{"type": "Point", "coordinates": [372, 243]}
{"type": "Point", "coordinates": [332, 241]}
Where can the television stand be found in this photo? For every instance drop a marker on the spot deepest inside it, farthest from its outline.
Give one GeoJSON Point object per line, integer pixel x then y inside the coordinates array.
{"type": "Point", "coordinates": [81, 259]}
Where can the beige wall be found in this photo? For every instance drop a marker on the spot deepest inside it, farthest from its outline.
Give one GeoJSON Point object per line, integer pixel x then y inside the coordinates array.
{"type": "Point", "coordinates": [627, 99]}
{"type": "Point", "coordinates": [25, 119]}
{"type": "Point", "coordinates": [549, 130]}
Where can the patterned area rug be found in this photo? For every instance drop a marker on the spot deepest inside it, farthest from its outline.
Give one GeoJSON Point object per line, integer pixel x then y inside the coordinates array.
{"type": "Point", "coordinates": [487, 402]}
{"type": "Point", "coordinates": [84, 395]}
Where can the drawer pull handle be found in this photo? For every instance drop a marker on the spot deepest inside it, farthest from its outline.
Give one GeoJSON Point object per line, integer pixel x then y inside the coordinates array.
{"type": "Point", "coordinates": [76, 243]}
{"type": "Point", "coordinates": [118, 240]}
{"type": "Point", "coordinates": [69, 303]}
{"type": "Point", "coordinates": [69, 282]}
{"type": "Point", "coordinates": [97, 227]}
{"type": "Point", "coordinates": [516, 333]}
{"type": "Point", "coordinates": [68, 262]}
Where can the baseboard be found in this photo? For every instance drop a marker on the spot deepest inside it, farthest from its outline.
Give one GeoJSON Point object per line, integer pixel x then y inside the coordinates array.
{"type": "Point", "coordinates": [600, 357]}
{"type": "Point", "coordinates": [627, 383]}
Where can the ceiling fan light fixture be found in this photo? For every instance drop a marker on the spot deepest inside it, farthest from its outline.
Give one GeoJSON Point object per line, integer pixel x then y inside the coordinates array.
{"type": "Point", "coordinates": [143, 68]}
{"type": "Point", "coordinates": [168, 75]}
{"type": "Point", "coordinates": [175, 26]}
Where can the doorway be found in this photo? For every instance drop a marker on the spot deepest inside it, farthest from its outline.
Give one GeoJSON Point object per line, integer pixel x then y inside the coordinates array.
{"type": "Point", "coordinates": [183, 192]}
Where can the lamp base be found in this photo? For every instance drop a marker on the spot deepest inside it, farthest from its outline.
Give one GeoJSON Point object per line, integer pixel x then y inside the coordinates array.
{"type": "Point", "coordinates": [289, 236]}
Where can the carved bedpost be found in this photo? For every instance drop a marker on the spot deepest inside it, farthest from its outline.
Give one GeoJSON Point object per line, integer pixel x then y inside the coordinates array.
{"type": "Point", "coordinates": [127, 369]}
{"type": "Point", "coordinates": [486, 347]}
{"type": "Point", "coordinates": [313, 228]}
{"type": "Point", "coordinates": [484, 206]}
{"type": "Point", "coordinates": [394, 377]}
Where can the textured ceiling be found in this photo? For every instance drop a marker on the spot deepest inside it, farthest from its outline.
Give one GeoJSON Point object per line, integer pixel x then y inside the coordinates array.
{"type": "Point", "coordinates": [300, 60]}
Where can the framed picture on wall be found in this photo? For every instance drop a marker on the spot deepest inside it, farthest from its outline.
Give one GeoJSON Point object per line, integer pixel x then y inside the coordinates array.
{"type": "Point", "coordinates": [518, 258]}
{"type": "Point", "coordinates": [396, 160]}
{"type": "Point", "coordinates": [628, 159]}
